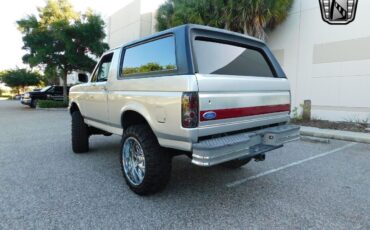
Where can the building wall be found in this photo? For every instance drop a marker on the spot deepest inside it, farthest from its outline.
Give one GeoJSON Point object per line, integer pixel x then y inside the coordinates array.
{"type": "Point", "coordinates": [124, 25]}
{"type": "Point", "coordinates": [72, 78]}
{"type": "Point", "coordinates": [328, 64]}
{"type": "Point", "coordinates": [130, 23]}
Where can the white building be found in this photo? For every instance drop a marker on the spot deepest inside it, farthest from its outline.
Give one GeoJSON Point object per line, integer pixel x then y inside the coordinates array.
{"type": "Point", "coordinates": [135, 20]}
{"type": "Point", "coordinates": [327, 64]}
{"type": "Point", "coordinates": [73, 78]}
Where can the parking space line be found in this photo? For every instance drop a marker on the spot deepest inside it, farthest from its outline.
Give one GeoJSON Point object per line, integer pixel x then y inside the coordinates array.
{"type": "Point", "coordinates": [241, 181]}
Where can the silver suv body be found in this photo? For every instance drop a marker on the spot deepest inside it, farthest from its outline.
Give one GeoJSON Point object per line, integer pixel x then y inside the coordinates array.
{"type": "Point", "coordinates": [217, 96]}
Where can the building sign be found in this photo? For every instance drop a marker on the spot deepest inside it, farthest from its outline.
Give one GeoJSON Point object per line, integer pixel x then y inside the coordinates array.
{"type": "Point", "coordinates": [338, 12]}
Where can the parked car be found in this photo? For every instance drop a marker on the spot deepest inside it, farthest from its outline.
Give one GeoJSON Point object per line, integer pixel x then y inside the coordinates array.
{"type": "Point", "coordinates": [216, 96]}
{"type": "Point", "coordinates": [47, 93]}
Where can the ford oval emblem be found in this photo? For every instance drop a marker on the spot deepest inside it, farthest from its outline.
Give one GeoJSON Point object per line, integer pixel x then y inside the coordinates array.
{"type": "Point", "coordinates": [209, 115]}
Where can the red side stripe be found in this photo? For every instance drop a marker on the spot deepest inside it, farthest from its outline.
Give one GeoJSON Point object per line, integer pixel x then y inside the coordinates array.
{"type": "Point", "coordinates": [246, 111]}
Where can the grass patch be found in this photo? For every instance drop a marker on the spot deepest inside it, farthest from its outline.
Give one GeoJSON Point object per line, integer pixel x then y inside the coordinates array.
{"type": "Point", "coordinates": [51, 104]}
{"type": "Point", "coordinates": [337, 125]}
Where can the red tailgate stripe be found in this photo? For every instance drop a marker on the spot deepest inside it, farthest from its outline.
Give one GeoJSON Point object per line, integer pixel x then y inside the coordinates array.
{"type": "Point", "coordinates": [246, 111]}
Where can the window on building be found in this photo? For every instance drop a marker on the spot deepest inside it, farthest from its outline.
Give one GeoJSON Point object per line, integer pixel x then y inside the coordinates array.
{"type": "Point", "coordinates": [221, 58]}
{"type": "Point", "coordinates": [149, 58]}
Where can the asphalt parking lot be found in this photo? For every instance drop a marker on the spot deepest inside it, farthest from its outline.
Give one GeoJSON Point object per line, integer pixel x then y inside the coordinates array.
{"type": "Point", "coordinates": [44, 185]}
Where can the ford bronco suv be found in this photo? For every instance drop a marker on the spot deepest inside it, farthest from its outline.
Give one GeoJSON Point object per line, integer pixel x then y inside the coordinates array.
{"type": "Point", "coordinates": [216, 96]}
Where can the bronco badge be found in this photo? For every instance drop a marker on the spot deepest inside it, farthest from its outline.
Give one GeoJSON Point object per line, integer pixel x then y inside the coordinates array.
{"type": "Point", "coordinates": [338, 12]}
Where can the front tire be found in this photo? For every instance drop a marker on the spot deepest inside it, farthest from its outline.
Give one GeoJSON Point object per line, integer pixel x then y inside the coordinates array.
{"type": "Point", "coordinates": [145, 166]}
{"type": "Point", "coordinates": [34, 103]}
{"type": "Point", "coordinates": [80, 134]}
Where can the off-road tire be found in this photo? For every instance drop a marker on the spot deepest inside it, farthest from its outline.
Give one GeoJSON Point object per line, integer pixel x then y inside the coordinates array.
{"type": "Point", "coordinates": [157, 161]}
{"type": "Point", "coordinates": [235, 164]}
{"type": "Point", "coordinates": [80, 134]}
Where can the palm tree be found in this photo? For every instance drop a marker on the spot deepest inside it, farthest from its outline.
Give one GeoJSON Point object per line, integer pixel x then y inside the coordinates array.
{"type": "Point", "coordinates": [252, 17]}
{"type": "Point", "coordinates": [164, 15]}
{"type": "Point", "coordinates": [226, 13]}
{"type": "Point", "coordinates": [278, 12]}
{"type": "Point", "coordinates": [265, 15]}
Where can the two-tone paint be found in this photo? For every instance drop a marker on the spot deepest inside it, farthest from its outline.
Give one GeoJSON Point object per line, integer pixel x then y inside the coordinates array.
{"type": "Point", "coordinates": [157, 97]}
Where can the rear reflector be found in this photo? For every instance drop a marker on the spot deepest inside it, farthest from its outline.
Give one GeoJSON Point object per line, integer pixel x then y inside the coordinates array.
{"type": "Point", "coordinates": [189, 109]}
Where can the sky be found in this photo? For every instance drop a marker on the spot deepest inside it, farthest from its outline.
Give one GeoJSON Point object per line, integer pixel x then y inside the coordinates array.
{"type": "Point", "coordinates": [11, 39]}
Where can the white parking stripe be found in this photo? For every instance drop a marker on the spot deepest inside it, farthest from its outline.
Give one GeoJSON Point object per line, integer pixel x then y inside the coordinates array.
{"type": "Point", "coordinates": [239, 182]}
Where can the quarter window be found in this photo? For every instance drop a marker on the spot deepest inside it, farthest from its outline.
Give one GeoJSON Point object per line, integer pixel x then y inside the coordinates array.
{"type": "Point", "coordinates": [153, 57]}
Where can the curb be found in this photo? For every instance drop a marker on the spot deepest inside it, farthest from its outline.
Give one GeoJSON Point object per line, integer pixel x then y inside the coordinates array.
{"type": "Point", "coordinates": [335, 134]}
{"type": "Point", "coordinates": [315, 139]}
{"type": "Point", "coordinates": [52, 109]}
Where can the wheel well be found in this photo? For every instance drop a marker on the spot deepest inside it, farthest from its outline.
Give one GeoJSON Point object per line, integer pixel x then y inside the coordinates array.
{"type": "Point", "coordinates": [73, 108]}
{"type": "Point", "coordinates": [132, 118]}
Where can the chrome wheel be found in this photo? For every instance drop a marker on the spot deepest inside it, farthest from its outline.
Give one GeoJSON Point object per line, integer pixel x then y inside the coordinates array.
{"type": "Point", "coordinates": [133, 161]}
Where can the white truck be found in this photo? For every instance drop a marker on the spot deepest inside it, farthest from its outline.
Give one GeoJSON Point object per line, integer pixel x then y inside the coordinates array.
{"type": "Point", "coordinates": [216, 96]}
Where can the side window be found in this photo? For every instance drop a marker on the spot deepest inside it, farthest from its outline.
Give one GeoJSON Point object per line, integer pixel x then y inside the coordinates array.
{"type": "Point", "coordinates": [101, 73]}
{"type": "Point", "coordinates": [58, 90]}
{"type": "Point", "coordinates": [152, 57]}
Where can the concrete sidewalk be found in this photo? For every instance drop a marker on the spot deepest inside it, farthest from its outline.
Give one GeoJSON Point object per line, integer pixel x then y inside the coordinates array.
{"type": "Point", "coordinates": [335, 134]}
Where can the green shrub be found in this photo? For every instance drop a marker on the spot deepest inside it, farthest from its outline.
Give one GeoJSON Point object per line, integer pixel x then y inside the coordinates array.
{"type": "Point", "coordinates": [51, 104]}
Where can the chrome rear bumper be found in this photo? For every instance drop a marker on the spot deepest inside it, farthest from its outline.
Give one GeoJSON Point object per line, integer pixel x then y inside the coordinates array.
{"type": "Point", "coordinates": [218, 150]}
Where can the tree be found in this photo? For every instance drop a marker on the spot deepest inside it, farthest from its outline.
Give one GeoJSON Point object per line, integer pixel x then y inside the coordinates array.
{"type": "Point", "coordinates": [51, 76]}
{"type": "Point", "coordinates": [148, 67]}
{"type": "Point", "coordinates": [252, 17]}
{"type": "Point", "coordinates": [19, 78]}
{"type": "Point", "coordinates": [61, 40]}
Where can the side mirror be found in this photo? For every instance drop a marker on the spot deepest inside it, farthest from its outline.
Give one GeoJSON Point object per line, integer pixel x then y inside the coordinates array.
{"type": "Point", "coordinates": [82, 77]}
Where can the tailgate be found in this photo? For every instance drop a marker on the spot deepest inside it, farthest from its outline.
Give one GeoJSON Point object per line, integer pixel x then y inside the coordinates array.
{"type": "Point", "coordinates": [241, 86]}
{"type": "Point", "coordinates": [241, 102]}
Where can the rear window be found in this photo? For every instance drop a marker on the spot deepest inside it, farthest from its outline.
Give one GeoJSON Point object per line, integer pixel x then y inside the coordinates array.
{"type": "Point", "coordinates": [221, 58]}
{"type": "Point", "coordinates": [156, 56]}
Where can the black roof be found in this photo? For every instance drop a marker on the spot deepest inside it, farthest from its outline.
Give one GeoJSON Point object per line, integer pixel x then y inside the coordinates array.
{"type": "Point", "coordinates": [185, 33]}
{"type": "Point", "coordinates": [186, 28]}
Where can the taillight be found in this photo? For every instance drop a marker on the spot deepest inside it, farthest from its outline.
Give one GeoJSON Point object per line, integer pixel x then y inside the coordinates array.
{"type": "Point", "coordinates": [290, 102]}
{"type": "Point", "coordinates": [189, 109]}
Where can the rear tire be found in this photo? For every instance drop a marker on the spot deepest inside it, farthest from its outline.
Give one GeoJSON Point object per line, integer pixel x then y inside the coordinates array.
{"type": "Point", "coordinates": [235, 164]}
{"type": "Point", "coordinates": [150, 170]}
{"type": "Point", "coordinates": [80, 134]}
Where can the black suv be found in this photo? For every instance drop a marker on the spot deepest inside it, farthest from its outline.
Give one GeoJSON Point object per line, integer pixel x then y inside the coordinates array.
{"type": "Point", "coordinates": [47, 93]}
